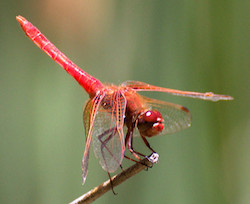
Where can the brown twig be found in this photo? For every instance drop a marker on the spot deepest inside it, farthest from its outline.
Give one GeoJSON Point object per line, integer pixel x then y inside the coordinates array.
{"type": "Point", "coordinates": [98, 191]}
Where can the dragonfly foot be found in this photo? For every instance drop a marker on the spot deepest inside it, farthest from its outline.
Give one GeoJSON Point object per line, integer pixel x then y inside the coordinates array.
{"type": "Point", "coordinates": [111, 184]}
{"type": "Point", "coordinates": [114, 191]}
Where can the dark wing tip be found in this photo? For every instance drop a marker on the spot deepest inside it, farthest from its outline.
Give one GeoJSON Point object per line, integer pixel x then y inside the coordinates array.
{"type": "Point", "coordinates": [184, 109]}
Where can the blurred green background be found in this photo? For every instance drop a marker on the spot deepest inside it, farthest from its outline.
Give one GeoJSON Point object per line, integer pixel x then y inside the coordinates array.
{"type": "Point", "coordinates": [188, 45]}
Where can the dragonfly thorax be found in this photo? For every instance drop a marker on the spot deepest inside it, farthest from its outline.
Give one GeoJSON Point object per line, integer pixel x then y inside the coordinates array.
{"type": "Point", "coordinates": [150, 123]}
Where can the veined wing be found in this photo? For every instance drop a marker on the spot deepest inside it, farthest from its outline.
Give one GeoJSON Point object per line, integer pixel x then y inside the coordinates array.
{"type": "Point", "coordinates": [176, 117]}
{"type": "Point", "coordinates": [141, 86]}
{"type": "Point", "coordinates": [89, 117]}
{"type": "Point", "coordinates": [108, 138]}
{"type": "Point", "coordinates": [86, 116]}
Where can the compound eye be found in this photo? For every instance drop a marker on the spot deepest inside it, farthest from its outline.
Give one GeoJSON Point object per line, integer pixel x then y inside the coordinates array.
{"type": "Point", "coordinates": [150, 123]}
{"type": "Point", "coordinates": [152, 116]}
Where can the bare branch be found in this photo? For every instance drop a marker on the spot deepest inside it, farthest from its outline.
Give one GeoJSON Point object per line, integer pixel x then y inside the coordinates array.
{"type": "Point", "coordinates": [98, 191]}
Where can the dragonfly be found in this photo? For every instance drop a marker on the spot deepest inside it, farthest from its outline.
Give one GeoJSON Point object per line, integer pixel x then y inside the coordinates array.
{"type": "Point", "coordinates": [113, 115]}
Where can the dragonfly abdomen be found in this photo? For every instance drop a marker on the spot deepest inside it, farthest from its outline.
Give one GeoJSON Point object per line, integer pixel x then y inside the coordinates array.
{"type": "Point", "coordinates": [89, 83]}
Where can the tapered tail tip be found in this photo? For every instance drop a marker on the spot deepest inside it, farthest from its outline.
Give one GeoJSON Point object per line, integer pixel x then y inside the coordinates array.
{"type": "Point", "coordinates": [20, 19]}
{"type": "Point", "coordinates": [83, 180]}
{"type": "Point", "coordinates": [227, 98]}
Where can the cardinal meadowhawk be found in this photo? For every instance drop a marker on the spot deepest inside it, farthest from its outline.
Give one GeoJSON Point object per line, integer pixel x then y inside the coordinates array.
{"type": "Point", "coordinates": [111, 110]}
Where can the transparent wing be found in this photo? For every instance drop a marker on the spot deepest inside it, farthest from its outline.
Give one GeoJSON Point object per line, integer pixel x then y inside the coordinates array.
{"type": "Point", "coordinates": [86, 116]}
{"type": "Point", "coordinates": [176, 117]}
{"type": "Point", "coordinates": [108, 137]}
{"type": "Point", "coordinates": [141, 86]}
{"type": "Point", "coordinates": [89, 119]}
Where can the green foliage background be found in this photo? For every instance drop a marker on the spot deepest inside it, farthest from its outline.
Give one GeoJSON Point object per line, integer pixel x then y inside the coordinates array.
{"type": "Point", "coordinates": [188, 45]}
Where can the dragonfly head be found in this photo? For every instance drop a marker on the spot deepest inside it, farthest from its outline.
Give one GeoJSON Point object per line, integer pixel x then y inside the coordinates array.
{"type": "Point", "coordinates": [150, 123]}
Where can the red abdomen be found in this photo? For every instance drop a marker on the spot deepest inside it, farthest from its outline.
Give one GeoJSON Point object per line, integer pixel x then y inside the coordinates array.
{"type": "Point", "coordinates": [89, 83]}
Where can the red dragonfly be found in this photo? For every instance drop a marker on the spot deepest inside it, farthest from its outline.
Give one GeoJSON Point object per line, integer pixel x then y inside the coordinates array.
{"type": "Point", "coordinates": [111, 110]}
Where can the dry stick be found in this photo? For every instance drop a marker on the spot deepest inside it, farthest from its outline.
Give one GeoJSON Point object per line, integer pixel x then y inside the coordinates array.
{"type": "Point", "coordinates": [98, 191]}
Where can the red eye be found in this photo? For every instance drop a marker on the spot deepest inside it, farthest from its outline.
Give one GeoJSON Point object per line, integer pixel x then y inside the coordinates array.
{"type": "Point", "coordinates": [150, 123]}
{"type": "Point", "coordinates": [153, 116]}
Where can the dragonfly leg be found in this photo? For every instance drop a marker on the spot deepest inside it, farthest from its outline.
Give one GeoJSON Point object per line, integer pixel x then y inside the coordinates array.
{"type": "Point", "coordinates": [103, 143]}
{"type": "Point", "coordinates": [129, 143]}
{"type": "Point", "coordinates": [121, 167]}
{"type": "Point", "coordinates": [111, 184]}
{"type": "Point", "coordinates": [133, 160]}
{"type": "Point", "coordinates": [147, 144]}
